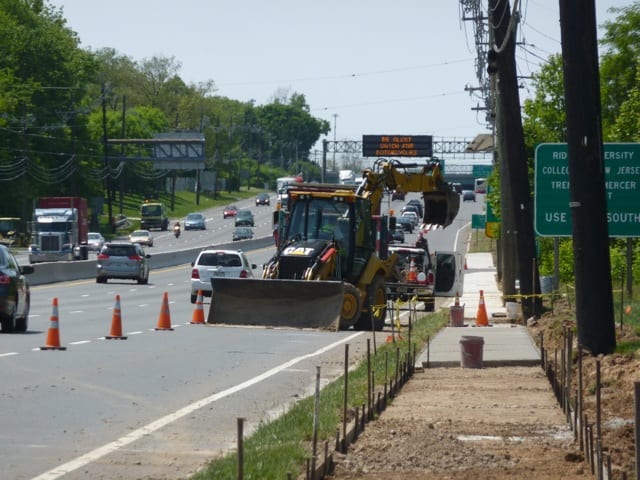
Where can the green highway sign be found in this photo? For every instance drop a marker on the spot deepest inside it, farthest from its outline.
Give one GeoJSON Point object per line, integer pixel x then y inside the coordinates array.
{"type": "Point", "coordinates": [478, 221]}
{"type": "Point", "coordinates": [622, 182]}
{"type": "Point", "coordinates": [481, 171]}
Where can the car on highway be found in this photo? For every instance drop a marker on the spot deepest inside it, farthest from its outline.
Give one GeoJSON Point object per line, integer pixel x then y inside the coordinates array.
{"type": "Point", "coordinates": [397, 195]}
{"type": "Point", "coordinates": [195, 221]}
{"type": "Point", "coordinates": [468, 196]}
{"type": "Point", "coordinates": [409, 207]}
{"type": "Point", "coordinates": [122, 260]}
{"type": "Point", "coordinates": [95, 241]}
{"type": "Point", "coordinates": [242, 233]}
{"type": "Point", "coordinates": [405, 223]}
{"type": "Point", "coordinates": [143, 237]}
{"type": "Point", "coordinates": [15, 295]}
{"type": "Point", "coordinates": [397, 235]}
{"type": "Point", "coordinates": [418, 204]}
{"type": "Point", "coordinates": [413, 216]}
{"type": "Point", "coordinates": [244, 218]}
{"type": "Point", "coordinates": [229, 211]}
{"type": "Point", "coordinates": [212, 262]}
{"type": "Point", "coordinates": [262, 199]}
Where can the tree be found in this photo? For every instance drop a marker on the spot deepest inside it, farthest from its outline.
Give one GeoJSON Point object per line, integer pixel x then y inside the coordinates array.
{"type": "Point", "coordinates": [620, 63]}
{"type": "Point", "coordinates": [544, 118]}
{"type": "Point", "coordinates": [44, 75]}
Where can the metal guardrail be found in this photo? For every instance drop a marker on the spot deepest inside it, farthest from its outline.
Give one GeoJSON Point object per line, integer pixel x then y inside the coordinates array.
{"type": "Point", "coordinates": [52, 272]}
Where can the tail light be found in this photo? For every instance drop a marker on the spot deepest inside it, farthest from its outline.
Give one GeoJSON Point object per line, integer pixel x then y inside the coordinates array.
{"type": "Point", "coordinates": [431, 278]}
{"type": "Point", "coordinates": [102, 256]}
{"type": "Point", "coordinates": [195, 273]}
{"type": "Point", "coordinates": [5, 280]}
{"type": "Point", "coordinates": [137, 258]}
{"type": "Point", "coordinates": [244, 274]}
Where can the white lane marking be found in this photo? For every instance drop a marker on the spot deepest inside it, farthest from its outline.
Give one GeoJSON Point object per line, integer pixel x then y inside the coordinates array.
{"type": "Point", "coordinates": [148, 429]}
{"type": "Point", "coordinates": [8, 354]}
{"type": "Point", "coordinates": [80, 342]}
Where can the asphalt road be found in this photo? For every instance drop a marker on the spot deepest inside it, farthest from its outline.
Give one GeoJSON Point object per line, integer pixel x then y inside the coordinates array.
{"type": "Point", "coordinates": [101, 407]}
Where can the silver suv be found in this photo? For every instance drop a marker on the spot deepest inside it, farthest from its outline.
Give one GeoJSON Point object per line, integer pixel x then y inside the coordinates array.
{"type": "Point", "coordinates": [217, 263]}
{"type": "Point", "coordinates": [122, 260]}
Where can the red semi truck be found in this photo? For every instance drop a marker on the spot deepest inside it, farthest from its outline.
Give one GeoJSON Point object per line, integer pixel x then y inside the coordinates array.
{"type": "Point", "coordinates": [59, 229]}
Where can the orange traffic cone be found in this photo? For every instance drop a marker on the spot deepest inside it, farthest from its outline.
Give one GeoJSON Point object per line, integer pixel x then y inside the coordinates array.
{"type": "Point", "coordinates": [116, 322]}
{"type": "Point", "coordinates": [164, 319]}
{"type": "Point", "coordinates": [465, 263]}
{"type": "Point", "coordinates": [53, 335]}
{"type": "Point", "coordinates": [198, 313]}
{"type": "Point", "coordinates": [457, 301]}
{"type": "Point", "coordinates": [412, 276]}
{"type": "Point", "coordinates": [481, 317]}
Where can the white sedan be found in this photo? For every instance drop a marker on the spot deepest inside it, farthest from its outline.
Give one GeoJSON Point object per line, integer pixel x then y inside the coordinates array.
{"type": "Point", "coordinates": [143, 237]}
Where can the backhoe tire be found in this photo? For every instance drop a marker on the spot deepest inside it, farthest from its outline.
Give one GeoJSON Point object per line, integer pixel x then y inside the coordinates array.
{"type": "Point", "coordinates": [351, 307]}
{"type": "Point", "coordinates": [376, 305]}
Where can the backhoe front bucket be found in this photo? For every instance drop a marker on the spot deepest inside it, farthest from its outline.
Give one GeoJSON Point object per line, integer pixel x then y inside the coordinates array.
{"type": "Point", "coordinates": [276, 303]}
{"type": "Point", "coordinates": [440, 208]}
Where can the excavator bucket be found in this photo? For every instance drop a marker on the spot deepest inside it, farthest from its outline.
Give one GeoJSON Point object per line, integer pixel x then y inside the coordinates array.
{"type": "Point", "coordinates": [276, 303]}
{"type": "Point", "coordinates": [440, 207]}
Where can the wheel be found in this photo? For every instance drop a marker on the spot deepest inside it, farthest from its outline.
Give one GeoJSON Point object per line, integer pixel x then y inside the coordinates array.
{"type": "Point", "coordinates": [143, 280]}
{"type": "Point", "coordinates": [351, 307]}
{"type": "Point", "coordinates": [375, 305]}
{"type": "Point", "coordinates": [101, 279]}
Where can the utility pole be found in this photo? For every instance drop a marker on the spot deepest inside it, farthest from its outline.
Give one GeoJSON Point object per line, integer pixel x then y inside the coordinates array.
{"type": "Point", "coordinates": [587, 194]}
{"type": "Point", "coordinates": [105, 147]}
{"type": "Point", "coordinates": [519, 259]}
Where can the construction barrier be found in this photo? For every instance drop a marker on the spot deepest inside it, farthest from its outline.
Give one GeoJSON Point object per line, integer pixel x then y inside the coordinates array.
{"type": "Point", "coordinates": [116, 322]}
{"type": "Point", "coordinates": [164, 319]}
{"type": "Point", "coordinates": [53, 335]}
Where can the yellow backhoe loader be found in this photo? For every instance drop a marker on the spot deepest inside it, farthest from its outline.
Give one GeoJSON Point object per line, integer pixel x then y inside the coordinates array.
{"type": "Point", "coordinates": [332, 261]}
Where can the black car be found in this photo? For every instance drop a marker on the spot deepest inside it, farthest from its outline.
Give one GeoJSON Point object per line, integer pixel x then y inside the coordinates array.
{"type": "Point", "coordinates": [15, 296]}
{"type": "Point", "coordinates": [398, 235]}
{"type": "Point", "coordinates": [262, 199]}
{"type": "Point", "coordinates": [397, 195]}
{"type": "Point", "coordinates": [405, 223]}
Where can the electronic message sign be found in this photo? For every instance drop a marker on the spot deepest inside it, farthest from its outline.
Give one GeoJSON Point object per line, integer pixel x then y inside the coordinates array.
{"type": "Point", "coordinates": [397, 145]}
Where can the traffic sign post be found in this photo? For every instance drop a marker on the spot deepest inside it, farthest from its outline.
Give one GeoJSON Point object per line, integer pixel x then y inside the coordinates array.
{"type": "Point", "coordinates": [622, 183]}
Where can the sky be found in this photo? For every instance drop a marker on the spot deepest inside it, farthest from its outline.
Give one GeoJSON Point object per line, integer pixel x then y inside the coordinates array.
{"type": "Point", "coordinates": [369, 67]}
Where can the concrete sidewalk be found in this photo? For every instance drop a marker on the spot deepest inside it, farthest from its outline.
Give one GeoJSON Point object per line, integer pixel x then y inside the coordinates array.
{"type": "Point", "coordinates": [505, 342]}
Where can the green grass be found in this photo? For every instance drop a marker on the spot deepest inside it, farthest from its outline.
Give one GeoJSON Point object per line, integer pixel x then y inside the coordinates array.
{"type": "Point", "coordinates": [479, 242]}
{"type": "Point", "coordinates": [183, 203]}
{"type": "Point", "coordinates": [284, 445]}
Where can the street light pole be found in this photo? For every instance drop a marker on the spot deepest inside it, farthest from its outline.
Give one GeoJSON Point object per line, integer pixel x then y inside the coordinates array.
{"type": "Point", "coordinates": [335, 116]}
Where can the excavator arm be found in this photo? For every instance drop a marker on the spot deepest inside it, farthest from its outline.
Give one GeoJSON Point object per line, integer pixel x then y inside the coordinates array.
{"type": "Point", "coordinates": [441, 202]}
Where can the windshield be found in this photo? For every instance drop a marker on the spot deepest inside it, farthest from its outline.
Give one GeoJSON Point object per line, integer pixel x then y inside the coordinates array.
{"type": "Point", "coordinates": [320, 218]}
{"type": "Point", "coordinates": [155, 210]}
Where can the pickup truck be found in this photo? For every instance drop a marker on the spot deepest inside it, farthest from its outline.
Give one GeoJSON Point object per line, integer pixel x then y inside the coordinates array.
{"type": "Point", "coordinates": [414, 275]}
